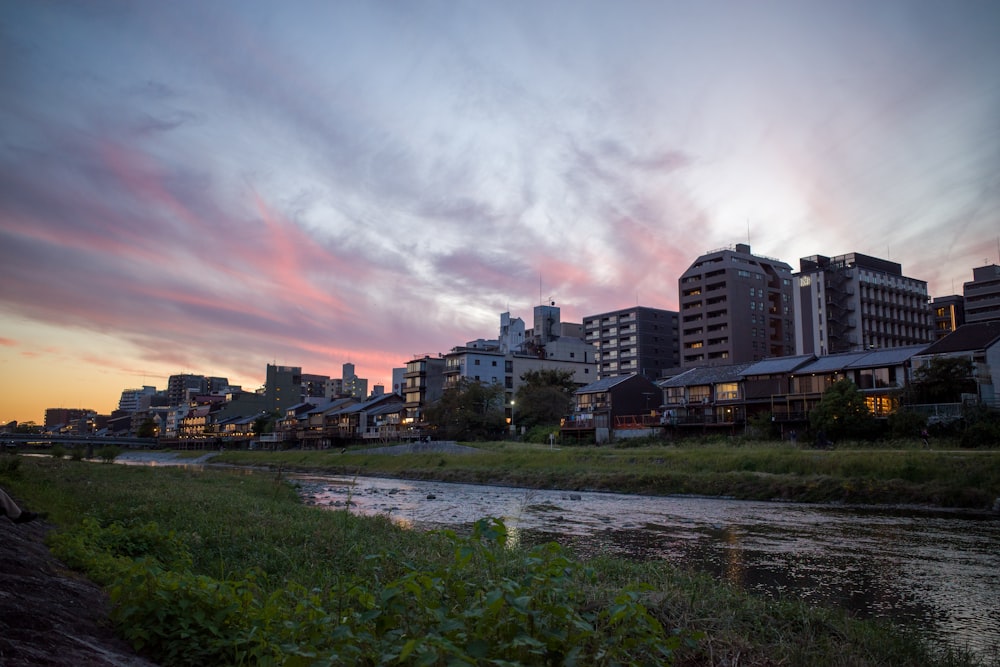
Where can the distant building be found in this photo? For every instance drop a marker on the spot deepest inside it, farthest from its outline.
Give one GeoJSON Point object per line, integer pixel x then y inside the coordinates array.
{"type": "Point", "coordinates": [855, 302]}
{"type": "Point", "coordinates": [181, 387]}
{"type": "Point", "coordinates": [982, 294]}
{"type": "Point", "coordinates": [948, 313]}
{"type": "Point", "coordinates": [282, 387]}
{"type": "Point", "coordinates": [352, 384]}
{"type": "Point", "coordinates": [66, 417]}
{"type": "Point", "coordinates": [979, 343]}
{"type": "Point", "coordinates": [735, 306]}
{"type": "Point", "coordinates": [314, 386]}
{"type": "Point", "coordinates": [134, 400]}
{"type": "Point", "coordinates": [634, 340]}
{"type": "Point", "coordinates": [423, 385]}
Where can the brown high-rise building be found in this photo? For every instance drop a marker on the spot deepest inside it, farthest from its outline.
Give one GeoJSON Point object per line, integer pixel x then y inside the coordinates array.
{"type": "Point", "coordinates": [735, 307]}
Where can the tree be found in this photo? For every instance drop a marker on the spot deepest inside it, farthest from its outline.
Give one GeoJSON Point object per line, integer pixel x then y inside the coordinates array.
{"type": "Point", "coordinates": [842, 413]}
{"type": "Point", "coordinates": [944, 380]}
{"type": "Point", "coordinates": [544, 397]}
{"type": "Point", "coordinates": [147, 429]}
{"type": "Point", "coordinates": [468, 410]}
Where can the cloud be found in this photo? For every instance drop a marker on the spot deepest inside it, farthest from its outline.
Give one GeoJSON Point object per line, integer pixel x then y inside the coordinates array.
{"type": "Point", "coordinates": [220, 188]}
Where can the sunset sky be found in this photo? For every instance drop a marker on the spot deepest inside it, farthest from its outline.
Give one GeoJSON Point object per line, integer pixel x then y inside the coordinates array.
{"type": "Point", "coordinates": [209, 187]}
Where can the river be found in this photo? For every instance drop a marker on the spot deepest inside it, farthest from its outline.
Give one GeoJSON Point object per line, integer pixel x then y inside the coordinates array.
{"type": "Point", "coordinates": [935, 571]}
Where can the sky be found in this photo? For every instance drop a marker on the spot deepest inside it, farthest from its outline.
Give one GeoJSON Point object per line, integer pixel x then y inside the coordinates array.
{"type": "Point", "coordinates": [209, 187]}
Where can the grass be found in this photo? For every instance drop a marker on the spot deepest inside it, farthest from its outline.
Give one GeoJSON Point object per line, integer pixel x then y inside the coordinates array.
{"type": "Point", "coordinates": [251, 527]}
{"type": "Point", "coordinates": [946, 478]}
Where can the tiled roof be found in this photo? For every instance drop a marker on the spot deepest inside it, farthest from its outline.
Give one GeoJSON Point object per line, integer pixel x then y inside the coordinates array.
{"type": "Point", "coordinates": [890, 356]}
{"type": "Point", "coordinates": [708, 375]}
{"type": "Point", "coordinates": [967, 338]}
{"type": "Point", "coordinates": [386, 409]}
{"type": "Point", "coordinates": [831, 362]}
{"type": "Point", "coordinates": [778, 365]}
{"type": "Point", "coordinates": [326, 407]}
{"type": "Point", "coordinates": [604, 384]}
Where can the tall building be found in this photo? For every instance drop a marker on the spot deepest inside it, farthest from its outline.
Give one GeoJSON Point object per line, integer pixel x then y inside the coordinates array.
{"type": "Point", "coordinates": [982, 294]}
{"type": "Point", "coordinates": [315, 386]}
{"type": "Point", "coordinates": [734, 307]}
{"type": "Point", "coordinates": [65, 416]}
{"type": "Point", "coordinates": [352, 384]}
{"type": "Point", "coordinates": [638, 340]}
{"type": "Point", "coordinates": [855, 302]}
{"type": "Point", "coordinates": [134, 400]}
{"type": "Point", "coordinates": [949, 314]}
{"type": "Point", "coordinates": [423, 384]}
{"type": "Point", "coordinates": [181, 387]}
{"type": "Point", "coordinates": [282, 387]}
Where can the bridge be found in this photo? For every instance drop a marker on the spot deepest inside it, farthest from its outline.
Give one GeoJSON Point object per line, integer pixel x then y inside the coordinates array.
{"type": "Point", "coordinates": [47, 440]}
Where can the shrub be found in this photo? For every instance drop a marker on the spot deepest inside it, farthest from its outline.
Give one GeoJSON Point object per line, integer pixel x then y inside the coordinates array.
{"type": "Point", "coordinates": [484, 605]}
{"type": "Point", "coordinates": [57, 451]}
{"type": "Point", "coordinates": [906, 424]}
{"type": "Point", "coordinates": [109, 453]}
{"type": "Point", "coordinates": [76, 454]}
{"type": "Point", "coordinates": [10, 465]}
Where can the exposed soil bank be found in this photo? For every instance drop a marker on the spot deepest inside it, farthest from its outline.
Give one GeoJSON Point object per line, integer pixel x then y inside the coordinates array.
{"type": "Point", "coordinates": [48, 614]}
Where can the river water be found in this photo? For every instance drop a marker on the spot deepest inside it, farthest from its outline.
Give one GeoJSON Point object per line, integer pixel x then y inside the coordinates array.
{"type": "Point", "coordinates": [935, 571]}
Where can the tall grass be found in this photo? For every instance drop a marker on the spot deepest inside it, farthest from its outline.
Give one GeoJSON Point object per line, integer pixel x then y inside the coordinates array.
{"type": "Point", "coordinates": [958, 478]}
{"type": "Point", "coordinates": [230, 568]}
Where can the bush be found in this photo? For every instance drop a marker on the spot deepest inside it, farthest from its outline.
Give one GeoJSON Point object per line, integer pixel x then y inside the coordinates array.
{"type": "Point", "coordinates": [906, 424]}
{"type": "Point", "coordinates": [57, 451]}
{"type": "Point", "coordinates": [76, 454]}
{"type": "Point", "coordinates": [486, 605]}
{"type": "Point", "coordinates": [540, 434]}
{"type": "Point", "coordinates": [982, 427]}
{"type": "Point", "coordinates": [10, 465]}
{"type": "Point", "coordinates": [109, 453]}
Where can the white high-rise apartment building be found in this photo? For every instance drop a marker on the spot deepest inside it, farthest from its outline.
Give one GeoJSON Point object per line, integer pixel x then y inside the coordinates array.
{"type": "Point", "coordinates": [855, 302]}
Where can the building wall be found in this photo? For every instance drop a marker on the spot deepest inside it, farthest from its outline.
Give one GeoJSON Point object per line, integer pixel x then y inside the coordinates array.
{"type": "Point", "coordinates": [982, 294]}
{"type": "Point", "coordinates": [478, 365]}
{"type": "Point", "coordinates": [180, 387]}
{"type": "Point", "coordinates": [853, 302]}
{"type": "Point", "coordinates": [283, 387]}
{"type": "Point", "coordinates": [948, 314]}
{"type": "Point", "coordinates": [423, 384]}
{"type": "Point", "coordinates": [638, 340]}
{"type": "Point", "coordinates": [735, 306]}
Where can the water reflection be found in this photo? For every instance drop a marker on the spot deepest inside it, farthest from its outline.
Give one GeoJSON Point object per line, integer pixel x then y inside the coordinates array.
{"type": "Point", "coordinates": [935, 571]}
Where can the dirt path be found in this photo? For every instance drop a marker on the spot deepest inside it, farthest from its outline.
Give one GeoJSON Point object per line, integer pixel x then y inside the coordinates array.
{"type": "Point", "coordinates": [48, 614]}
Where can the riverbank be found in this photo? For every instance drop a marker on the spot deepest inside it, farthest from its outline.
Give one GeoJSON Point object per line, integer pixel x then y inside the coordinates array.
{"type": "Point", "coordinates": [243, 568]}
{"type": "Point", "coordinates": [956, 479]}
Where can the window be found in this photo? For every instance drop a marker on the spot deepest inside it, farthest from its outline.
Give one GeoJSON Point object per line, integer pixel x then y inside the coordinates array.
{"type": "Point", "coordinates": [727, 391]}
{"type": "Point", "coordinates": [477, 363]}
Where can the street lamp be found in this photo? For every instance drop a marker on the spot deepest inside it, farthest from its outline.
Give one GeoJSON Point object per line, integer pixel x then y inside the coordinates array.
{"type": "Point", "coordinates": [513, 429]}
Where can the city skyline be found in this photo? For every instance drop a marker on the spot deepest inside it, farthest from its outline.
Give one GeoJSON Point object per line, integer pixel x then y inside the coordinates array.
{"type": "Point", "coordinates": [211, 188]}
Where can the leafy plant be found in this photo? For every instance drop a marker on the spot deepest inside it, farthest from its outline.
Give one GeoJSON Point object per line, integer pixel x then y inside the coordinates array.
{"type": "Point", "coordinates": [842, 413]}
{"type": "Point", "coordinates": [109, 453]}
{"type": "Point", "coordinates": [488, 604]}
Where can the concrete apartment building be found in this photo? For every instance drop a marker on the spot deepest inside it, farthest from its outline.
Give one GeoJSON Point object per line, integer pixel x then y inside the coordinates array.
{"type": "Point", "coordinates": [735, 306]}
{"type": "Point", "coordinates": [982, 294]}
{"type": "Point", "coordinates": [549, 344]}
{"type": "Point", "coordinates": [856, 302]}
{"type": "Point", "coordinates": [948, 314]}
{"type": "Point", "coordinates": [282, 387]}
{"type": "Point", "coordinates": [181, 387]}
{"type": "Point", "coordinates": [638, 340]}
